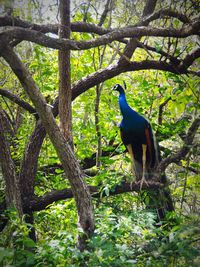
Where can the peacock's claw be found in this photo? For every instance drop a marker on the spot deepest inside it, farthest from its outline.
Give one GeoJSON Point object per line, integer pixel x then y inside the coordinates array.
{"type": "Point", "coordinates": [143, 180]}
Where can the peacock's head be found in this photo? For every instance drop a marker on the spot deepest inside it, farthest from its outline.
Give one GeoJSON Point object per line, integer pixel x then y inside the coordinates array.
{"type": "Point", "coordinates": [118, 88]}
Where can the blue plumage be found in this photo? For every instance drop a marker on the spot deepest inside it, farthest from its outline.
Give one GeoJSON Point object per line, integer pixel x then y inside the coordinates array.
{"type": "Point", "coordinates": [131, 119]}
{"type": "Point", "coordinates": [137, 136]}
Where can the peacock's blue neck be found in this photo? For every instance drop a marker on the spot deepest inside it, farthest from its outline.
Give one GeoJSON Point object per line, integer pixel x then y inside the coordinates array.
{"type": "Point", "coordinates": [126, 110]}
{"type": "Point", "coordinates": [131, 121]}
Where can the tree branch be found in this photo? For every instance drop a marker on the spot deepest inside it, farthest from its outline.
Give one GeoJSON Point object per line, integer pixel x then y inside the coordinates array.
{"type": "Point", "coordinates": [88, 27]}
{"type": "Point", "coordinates": [30, 162]}
{"type": "Point", "coordinates": [149, 8]}
{"type": "Point", "coordinates": [173, 59]}
{"type": "Point", "coordinates": [131, 32]}
{"type": "Point", "coordinates": [40, 203]}
{"type": "Point", "coordinates": [114, 70]}
{"type": "Point", "coordinates": [13, 197]}
{"type": "Point", "coordinates": [25, 105]}
{"type": "Point", "coordinates": [188, 168]}
{"type": "Point", "coordinates": [180, 154]}
{"type": "Point", "coordinates": [104, 14]}
{"type": "Point", "coordinates": [166, 12]}
{"type": "Point", "coordinates": [191, 57]}
{"type": "Point", "coordinates": [95, 78]}
{"type": "Point", "coordinates": [65, 92]}
{"type": "Point", "coordinates": [160, 112]}
{"type": "Point", "coordinates": [51, 28]}
{"type": "Point", "coordinates": [63, 149]}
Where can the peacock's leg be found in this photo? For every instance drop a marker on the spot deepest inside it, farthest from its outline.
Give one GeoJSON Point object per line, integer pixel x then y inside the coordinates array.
{"type": "Point", "coordinates": [133, 168]}
{"type": "Point", "coordinates": [144, 153]}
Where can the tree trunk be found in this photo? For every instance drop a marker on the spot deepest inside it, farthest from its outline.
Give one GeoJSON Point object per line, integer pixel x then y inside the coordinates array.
{"type": "Point", "coordinates": [65, 94]}
{"type": "Point", "coordinates": [13, 197]}
{"type": "Point", "coordinates": [70, 164]}
{"type": "Point", "coordinates": [28, 172]}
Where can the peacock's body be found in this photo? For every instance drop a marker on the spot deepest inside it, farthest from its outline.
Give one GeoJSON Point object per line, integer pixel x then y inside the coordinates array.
{"type": "Point", "coordinates": [138, 137]}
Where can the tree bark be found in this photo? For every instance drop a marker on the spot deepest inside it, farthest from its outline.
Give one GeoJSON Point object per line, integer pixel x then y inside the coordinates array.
{"type": "Point", "coordinates": [116, 35]}
{"type": "Point", "coordinates": [40, 203]}
{"type": "Point", "coordinates": [13, 197]}
{"type": "Point", "coordinates": [29, 163]}
{"type": "Point", "coordinates": [63, 149]}
{"type": "Point", "coordinates": [65, 93]}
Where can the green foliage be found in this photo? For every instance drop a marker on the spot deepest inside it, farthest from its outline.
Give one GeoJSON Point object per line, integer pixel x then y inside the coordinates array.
{"type": "Point", "coordinates": [60, 217]}
{"type": "Point", "coordinates": [16, 248]}
{"type": "Point", "coordinates": [45, 71]}
{"type": "Point", "coordinates": [122, 238]}
{"type": "Point", "coordinates": [125, 234]}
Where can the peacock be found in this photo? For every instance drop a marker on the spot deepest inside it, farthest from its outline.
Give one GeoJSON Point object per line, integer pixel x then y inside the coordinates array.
{"type": "Point", "coordinates": [138, 137]}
